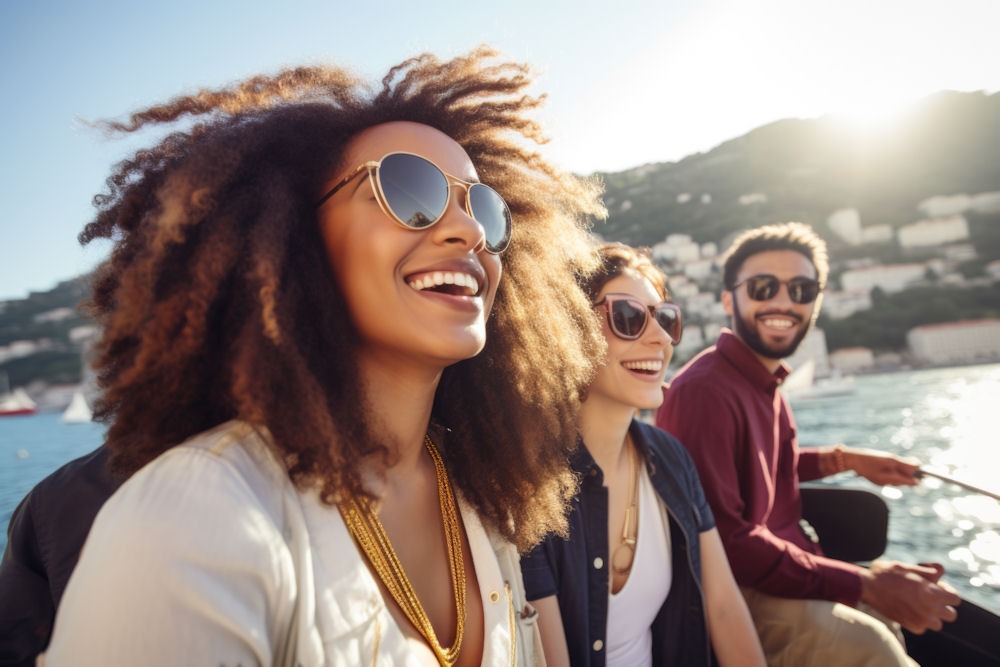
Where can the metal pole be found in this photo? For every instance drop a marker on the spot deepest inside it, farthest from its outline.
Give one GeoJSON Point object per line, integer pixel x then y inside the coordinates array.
{"type": "Point", "coordinates": [964, 485]}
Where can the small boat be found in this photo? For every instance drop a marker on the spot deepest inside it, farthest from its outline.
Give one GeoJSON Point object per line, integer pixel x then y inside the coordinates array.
{"type": "Point", "coordinates": [852, 525]}
{"type": "Point", "coordinates": [77, 412]}
{"type": "Point", "coordinates": [16, 403]}
{"type": "Point", "coordinates": [801, 384]}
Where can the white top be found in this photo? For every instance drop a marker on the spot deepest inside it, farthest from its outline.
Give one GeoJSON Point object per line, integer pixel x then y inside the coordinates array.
{"type": "Point", "coordinates": [210, 556]}
{"type": "Point", "coordinates": [631, 610]}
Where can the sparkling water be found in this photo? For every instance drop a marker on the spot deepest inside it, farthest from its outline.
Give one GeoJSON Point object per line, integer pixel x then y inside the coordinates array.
{"type": "Point", "coordinates": [947, 418]}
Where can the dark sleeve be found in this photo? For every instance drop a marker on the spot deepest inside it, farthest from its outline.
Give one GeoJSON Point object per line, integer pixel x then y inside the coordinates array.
{"type": "Point", "coordinates": [536, 568]}
{"type": "Point", "coordinates": [44, 539]}
{"type": "Point", "coordinates": [26, 608]}
{"type": "Point", "coordinates": [706, 520]}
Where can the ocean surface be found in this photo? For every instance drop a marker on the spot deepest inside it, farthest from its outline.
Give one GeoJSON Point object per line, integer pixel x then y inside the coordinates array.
{"type": "Point", "coordinates": [949, 418]}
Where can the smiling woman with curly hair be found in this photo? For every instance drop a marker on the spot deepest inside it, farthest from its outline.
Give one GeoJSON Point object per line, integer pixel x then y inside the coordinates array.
{"type": "Point", "coordinates": [341, 366]}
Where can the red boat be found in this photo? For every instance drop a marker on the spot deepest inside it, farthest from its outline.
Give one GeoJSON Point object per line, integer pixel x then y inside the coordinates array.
{"type": "Point", "coordinates": [16, 403]}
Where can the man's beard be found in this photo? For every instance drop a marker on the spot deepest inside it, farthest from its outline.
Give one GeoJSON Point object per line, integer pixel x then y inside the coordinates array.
{"type": "Point", "coordinates": [747, 332]}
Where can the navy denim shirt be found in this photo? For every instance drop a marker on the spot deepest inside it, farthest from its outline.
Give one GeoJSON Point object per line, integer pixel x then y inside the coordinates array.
{"type": "Point", "coordinates": [576, 570]}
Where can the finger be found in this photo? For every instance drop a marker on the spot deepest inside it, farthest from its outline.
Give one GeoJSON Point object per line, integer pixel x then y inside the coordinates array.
{"type": "Point", "coordinates": [950, 614]}
{"type": "Point", "coordinates": [927, 571]}
{"type": "Point", "coordinates": [937, 570]}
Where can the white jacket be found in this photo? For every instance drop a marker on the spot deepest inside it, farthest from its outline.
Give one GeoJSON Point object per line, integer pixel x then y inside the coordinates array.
{"type": "Point", "coordinates": [209, 555]}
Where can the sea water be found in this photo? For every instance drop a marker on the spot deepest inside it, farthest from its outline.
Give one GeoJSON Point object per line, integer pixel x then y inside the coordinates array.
{"type": "Point", "coordinates": [947, 418]}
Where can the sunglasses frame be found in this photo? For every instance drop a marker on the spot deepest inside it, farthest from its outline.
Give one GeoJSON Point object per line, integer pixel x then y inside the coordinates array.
{"type": "Point", "coordinates": [800, 280]}
{"type": "Point", "coordinates": [608, 300]}
{"type": "Point", "coordinates": [371, 168]}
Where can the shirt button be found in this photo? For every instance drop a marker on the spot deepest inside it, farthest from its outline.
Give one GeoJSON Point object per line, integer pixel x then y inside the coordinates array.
{"type": "Point", "coordinates": [598, 563]}
{"type": "Point", "coordinates": [598, 645]}
{"type": "Point", "coordinates": [494, 597]}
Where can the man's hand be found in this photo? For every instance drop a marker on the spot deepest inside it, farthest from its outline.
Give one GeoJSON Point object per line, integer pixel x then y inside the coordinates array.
{"type": "Point", "coordinates": [881, 468]}
{"type": "Point", "coordinates": [911, 595]}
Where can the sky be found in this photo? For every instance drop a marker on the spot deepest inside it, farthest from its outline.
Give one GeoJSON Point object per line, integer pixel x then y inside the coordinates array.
{"type": "Point", "coordinates": [628, 81]}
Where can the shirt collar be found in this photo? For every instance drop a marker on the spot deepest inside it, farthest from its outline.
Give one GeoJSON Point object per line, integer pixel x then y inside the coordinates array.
{"type": "Point", "coordinates": [739, 354]}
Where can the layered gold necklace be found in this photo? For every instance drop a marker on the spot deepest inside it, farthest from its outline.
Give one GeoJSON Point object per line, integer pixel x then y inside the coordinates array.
{"type": "Point", "coordinates": [364, 525]}
{"type": "Point", "coordinates": [630, 527]}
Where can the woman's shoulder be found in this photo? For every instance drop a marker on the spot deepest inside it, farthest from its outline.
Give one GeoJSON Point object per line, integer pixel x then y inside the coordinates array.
{"type": "Point", "coordinates": [231, 468]}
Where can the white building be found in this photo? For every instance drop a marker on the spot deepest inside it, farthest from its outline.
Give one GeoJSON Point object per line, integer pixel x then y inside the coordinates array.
{"type": "Point", "coordinates": [846, 223]}
{"type": "Point", "coordinates": [54, 315]}
{"type": "Point", "coordinates": [753, 198]}
{"type": "Point", "coordinates": [945, 205]}
{"type": "Point", "coordinates": [928, 233]}
{"type": "Point", "coordinates": [993, 269]}
{"type": "Point", "coordinates": [676, 248]}
{"type": "Point", "coordinates": [986, 202]}
{"type": "Point", "coordinates": [838, 305]}
{"type": "Point", "coordinates": [700, 269]}
{"type": "Point", "coordinates": [852, 359]}
{"type": "Point", "coordinates": [889, 278]}
{"type": "Point", "coordinates": [956, 342]}
{"type": "Point", "coordinates": [23, 348]}
{"type": "Point", "coordinates": [701, 305]}
{"type": "Point", "coordinates": [876, 234]}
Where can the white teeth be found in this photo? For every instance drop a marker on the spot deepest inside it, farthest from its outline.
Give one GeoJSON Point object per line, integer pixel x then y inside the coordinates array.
{"type": "Point", "coordinates": [651, 366]}
{"type": "Point", "coordinates": [777, 324]}
{"type": "Point", "coordinates": [446, 278]}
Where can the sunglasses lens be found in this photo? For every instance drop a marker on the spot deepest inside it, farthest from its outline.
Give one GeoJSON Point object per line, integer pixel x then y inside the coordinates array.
{"type": "Point", "coordinates": [490, 210]}
{"type": "Point", "coordinates": [762, 288]}
{"type": "Point", "coordinates": [803, 290]}
{"type": "Point", "coordinates": [628, 319]}
{"type": "Point", "coordinates": [669, 319]}
{"type": "Point", "coordinates": [414, 189]}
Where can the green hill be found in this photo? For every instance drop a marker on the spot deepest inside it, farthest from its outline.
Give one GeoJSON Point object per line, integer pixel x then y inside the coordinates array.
{"type": "Point", "coordinates": [788, 170]}
{"type": "Point", "coordinates": [807, 169]}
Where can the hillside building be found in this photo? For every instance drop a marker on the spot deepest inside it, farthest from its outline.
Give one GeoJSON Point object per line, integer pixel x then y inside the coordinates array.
{"type": "Point", "coordinates": [986, 202]}
{"type": "Point", "coordinates": [890, 278]}
{"type": "Point", "coordinates": [935, 232]}
{"type": "Point", "coordinates": [846, 223]}
{"type": "Point", "coordinates": [852, 359]}
{"type": "Point", "coordinates": [838, 305]}
{"type": "Point", "coordinates": [955, 342]}
{"type": "Point", "coordinates": [942, 206]}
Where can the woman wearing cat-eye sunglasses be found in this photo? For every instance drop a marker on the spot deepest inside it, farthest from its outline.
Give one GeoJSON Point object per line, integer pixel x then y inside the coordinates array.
{"type": "Point", "coordinates": [342, 419]}
{"type": "Point", "coordinates": [642, 545]}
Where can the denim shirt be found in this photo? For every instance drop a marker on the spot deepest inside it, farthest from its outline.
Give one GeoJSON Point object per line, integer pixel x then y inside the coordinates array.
{"type": "Point", "coordinates": [577, 569]}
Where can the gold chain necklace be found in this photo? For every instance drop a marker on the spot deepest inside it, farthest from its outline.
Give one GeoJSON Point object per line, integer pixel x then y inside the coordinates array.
{"type": "Point", "coordinates": [630, 528]}
{"type": "Point", "coordinates": [368, 532]}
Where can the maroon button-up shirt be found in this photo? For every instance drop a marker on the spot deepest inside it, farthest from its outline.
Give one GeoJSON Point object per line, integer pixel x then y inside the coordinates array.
{"type": "Point", "coordinates": [725, 407]}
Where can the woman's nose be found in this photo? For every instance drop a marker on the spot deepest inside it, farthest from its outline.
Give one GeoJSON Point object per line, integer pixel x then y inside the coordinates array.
{"type": "Point", "coordinates": [457, 224]}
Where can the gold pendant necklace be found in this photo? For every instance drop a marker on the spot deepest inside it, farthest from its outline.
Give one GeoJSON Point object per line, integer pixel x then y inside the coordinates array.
{"type": "Point", "coordinates": [370, 535]}
{"type": "Point", "coordinates": [630, 528]}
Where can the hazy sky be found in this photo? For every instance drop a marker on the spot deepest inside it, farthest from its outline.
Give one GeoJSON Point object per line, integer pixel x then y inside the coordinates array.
{"type": "Point", "coordinates": [629, 81]}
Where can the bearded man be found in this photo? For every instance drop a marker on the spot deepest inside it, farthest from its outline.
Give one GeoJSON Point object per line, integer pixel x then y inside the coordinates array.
{"type": "Point", "coordinates": [726, 407]}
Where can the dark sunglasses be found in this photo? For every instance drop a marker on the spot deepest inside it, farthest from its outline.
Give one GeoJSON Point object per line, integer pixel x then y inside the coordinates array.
{"type": "Point", "coordinates": [415, 192]}
{"type": "Point", "coordinates": [764, 286]}
{"type": "Point", "coordinates": [627, 316]}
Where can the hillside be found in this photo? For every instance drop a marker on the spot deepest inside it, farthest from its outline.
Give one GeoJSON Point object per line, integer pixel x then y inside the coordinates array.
{"type": "Point", "coordinates": [807, 169]}
{"type": "Point", "coordinates": [788, 170]}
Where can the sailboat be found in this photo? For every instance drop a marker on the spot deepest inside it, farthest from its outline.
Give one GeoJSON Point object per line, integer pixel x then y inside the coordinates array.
{"type": "Point", "coordinates": [15, 403]}
{"type": "Point", "coordinates": [77, 412]}
{"type": "Point", "coordinates": [801, 383]}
